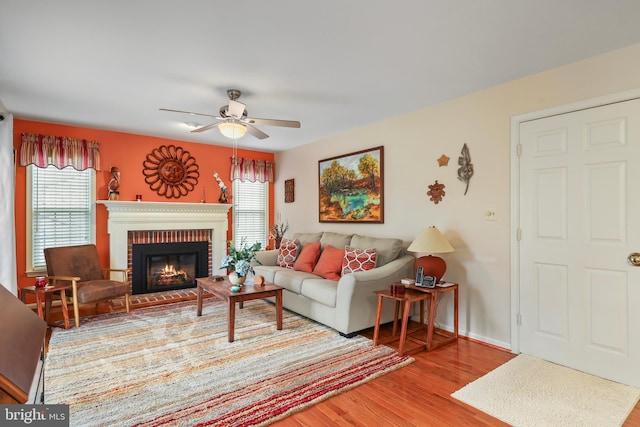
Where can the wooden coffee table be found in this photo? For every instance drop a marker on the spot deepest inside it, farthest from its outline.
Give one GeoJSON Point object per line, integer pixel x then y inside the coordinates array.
{"type": "Point", "coordinates": [222, 289]}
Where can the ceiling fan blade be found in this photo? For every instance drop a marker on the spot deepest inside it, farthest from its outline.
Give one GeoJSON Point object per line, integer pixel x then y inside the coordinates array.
{"type": "Point", "coordinates": [274, 122]}
{"type": "Point", "coordinates": [189, 112]}
{"type": "Point", "coordinates": [236, 109]}
{"type": "Point", "coordinates": [256, 132]}
{"type": "Point", "coordinates": [207, 127]}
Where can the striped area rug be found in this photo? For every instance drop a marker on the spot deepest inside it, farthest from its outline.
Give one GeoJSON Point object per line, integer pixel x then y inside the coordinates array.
{"type": "Point", "coordinates": [164, 365]}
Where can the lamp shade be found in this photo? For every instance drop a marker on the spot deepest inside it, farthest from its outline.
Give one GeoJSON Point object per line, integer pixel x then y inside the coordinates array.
{"type": "Point", "coordinates": [431, 241]}
{"type": "Point", "coordinates": [232, 130]}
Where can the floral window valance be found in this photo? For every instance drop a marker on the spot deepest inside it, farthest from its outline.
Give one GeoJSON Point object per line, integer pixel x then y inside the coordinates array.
{"type": "Point", "coordinates": [251, 170]}
{"type": "Point", "coordinates": [59, 151]}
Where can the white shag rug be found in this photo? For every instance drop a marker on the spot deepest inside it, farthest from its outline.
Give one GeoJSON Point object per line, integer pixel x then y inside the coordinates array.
{"type": "Point", "coordinates": [527, 391]}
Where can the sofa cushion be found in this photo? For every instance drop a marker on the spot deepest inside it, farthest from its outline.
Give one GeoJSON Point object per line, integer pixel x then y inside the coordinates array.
{"type": "Point", "coordinates": [329, 265]}
{"type": "Point", "coordinates": [304, 238]}
{"type": "Point", "coordinates": [94, 290]}
{"type": "Point", "coordinates": [291, 279]}
{"type": "Point", "coordinates": [267, 271]}
{"type": "Point", "coordinates": [287, 253]}
{"type": "Point", "coordinates": [356, 259]}
{"type": "Point", "coordinates": [388, 249]}
{"type": "Point", "coordinates": [337, 240]}
{"type": "Point", "coordinates": [308, 257]}
{"type": "Point", "coordinates": [321, 290]}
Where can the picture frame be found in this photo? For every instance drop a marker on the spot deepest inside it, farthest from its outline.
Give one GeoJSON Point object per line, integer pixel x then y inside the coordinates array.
{"type": "Point", "coordinates": [289, 191]}
{"type": "Point", "coordinates": [351, 187]}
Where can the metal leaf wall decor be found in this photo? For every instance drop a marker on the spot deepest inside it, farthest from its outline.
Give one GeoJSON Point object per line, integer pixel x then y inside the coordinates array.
{"type": "Point", "coordinates": [465, 171]}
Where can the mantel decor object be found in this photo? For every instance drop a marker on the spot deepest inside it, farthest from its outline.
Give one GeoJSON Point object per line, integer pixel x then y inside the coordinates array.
{"type": "Point", "coordinates": [224, 197]}
{"type": "Point", "coordinates": [114, 184]}
{"type": "Point", "coordinates": [170, 171]}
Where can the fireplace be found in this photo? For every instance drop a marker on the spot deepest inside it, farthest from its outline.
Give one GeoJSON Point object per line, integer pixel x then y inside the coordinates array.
{"type": "Point", "coordinates": [132, 223]}
{"type": "Point", "coordinates": [158, 267]}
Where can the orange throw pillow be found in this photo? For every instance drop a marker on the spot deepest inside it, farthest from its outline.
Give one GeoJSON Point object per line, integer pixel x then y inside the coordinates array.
{"type": "Point", "coordinates": [358, 260]}
{"type": "Point", "coordinates": [308, 257]}
{"type": "Point", "coordinates": [329, 265]}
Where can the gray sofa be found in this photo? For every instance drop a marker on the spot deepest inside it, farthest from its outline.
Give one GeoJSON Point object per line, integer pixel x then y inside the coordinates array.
{"type": "Point", "coordinates": [347, 305]}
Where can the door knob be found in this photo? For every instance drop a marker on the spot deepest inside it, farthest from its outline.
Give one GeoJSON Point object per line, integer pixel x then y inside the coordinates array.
{"type": "Point", "coordinates": [634, 259]}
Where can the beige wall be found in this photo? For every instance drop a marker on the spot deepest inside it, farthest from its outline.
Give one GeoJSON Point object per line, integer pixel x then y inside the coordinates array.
{"type": "Point", "coordinates": [413, 142]}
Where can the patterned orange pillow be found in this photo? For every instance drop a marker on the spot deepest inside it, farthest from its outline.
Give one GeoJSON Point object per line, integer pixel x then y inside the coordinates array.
{"type": "Point", "coordinates": [358, 260]}
{"type": "Point", "coordinates": [287, 253]}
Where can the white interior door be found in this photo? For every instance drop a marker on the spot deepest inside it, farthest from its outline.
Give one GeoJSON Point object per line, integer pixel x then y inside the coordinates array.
{"type": "Point", "coordinates": [579, 221]}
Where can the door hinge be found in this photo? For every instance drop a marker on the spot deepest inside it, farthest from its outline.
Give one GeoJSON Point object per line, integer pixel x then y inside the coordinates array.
{"type": "Point", "coordinates": [519, 149]}
{"type": "Point", "coordinates": [519, 319]}
{"type": "Point", "coordinates": [518, 234]}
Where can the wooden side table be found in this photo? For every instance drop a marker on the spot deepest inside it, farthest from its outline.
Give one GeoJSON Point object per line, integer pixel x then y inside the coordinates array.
{"type": "Point", "coordinates": [404, 302]}
{"type": "Point", "coordinates": [431, 317]}
{"type": "Point", "coordinates": [46, 293]}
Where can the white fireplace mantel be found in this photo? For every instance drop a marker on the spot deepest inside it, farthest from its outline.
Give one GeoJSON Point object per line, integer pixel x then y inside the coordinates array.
{"type": "Point", "coordinates": [136, 216]}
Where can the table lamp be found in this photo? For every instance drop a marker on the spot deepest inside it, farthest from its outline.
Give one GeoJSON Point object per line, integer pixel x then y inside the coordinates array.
{"type": "Point", "coordinates": [431, 241]}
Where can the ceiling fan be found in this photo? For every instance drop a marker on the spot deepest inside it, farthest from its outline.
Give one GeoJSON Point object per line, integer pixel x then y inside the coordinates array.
{"type": "Point", "coordinates": [234, 120]}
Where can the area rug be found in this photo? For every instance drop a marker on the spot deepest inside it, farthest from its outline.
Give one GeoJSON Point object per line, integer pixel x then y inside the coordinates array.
{"type": "Point", "coordinates": [165, 366]}
{"type": "Point", "coordinates": [527, 391]}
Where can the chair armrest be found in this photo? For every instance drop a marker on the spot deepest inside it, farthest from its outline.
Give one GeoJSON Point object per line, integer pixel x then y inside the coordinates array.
{"type": "Point", "coordinates": [63, 278]}
{"type": "Point", "coordinates": [123, 271]}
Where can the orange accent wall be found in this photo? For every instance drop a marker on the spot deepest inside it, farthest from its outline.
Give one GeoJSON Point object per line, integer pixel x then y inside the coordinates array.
{"type": "Point", "coordinates": [126, 152]}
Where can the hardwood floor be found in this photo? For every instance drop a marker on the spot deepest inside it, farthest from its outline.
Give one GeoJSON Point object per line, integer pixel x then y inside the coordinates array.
{"type": "Point", "coordinates": [416, 395]}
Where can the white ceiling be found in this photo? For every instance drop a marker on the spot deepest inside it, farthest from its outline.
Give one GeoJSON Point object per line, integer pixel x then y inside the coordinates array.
{"type": "Point", "coordinates": [333, 65]}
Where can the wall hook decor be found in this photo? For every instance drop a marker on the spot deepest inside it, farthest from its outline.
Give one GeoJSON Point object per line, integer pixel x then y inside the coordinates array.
{"type": "Point", "coordinates": [436, 192]}
{"type": "Point", "coordinates": [465, 171]}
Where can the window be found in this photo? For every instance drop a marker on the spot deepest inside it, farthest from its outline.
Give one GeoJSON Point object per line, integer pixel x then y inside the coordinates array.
{"type": "Point", "coordinates": [60, 210]}
{"type": "Point", "coordinates": [250, 219]}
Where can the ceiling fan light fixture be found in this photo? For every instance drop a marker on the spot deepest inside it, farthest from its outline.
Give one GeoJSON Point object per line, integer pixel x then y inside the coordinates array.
{"type": "Point", "coordinates": [232, 130]}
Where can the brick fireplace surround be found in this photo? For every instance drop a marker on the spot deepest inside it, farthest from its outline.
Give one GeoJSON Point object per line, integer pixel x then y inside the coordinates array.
{"type": "Point", "coordinates": [166, 221]}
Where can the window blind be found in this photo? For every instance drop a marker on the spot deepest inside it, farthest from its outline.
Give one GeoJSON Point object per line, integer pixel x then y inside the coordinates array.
{"type": "Point", "coordinates": [62, 209]}
{"type": "Point", "coordinates": [250, 202]}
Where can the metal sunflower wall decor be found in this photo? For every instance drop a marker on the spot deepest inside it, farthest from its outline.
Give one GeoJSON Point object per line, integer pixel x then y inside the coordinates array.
{"type": "Point", "coordinates": [170, 171]}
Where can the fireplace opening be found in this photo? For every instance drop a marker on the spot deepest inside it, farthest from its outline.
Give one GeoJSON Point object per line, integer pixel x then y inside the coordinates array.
{"type": "Point", "coordinates": [158, 267]}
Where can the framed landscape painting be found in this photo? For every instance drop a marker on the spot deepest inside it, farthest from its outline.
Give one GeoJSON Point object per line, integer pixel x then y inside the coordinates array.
{"type": "Point", "coordinates": [352, 187]}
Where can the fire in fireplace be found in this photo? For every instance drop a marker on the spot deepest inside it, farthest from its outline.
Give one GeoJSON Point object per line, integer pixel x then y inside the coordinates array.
{"type": "Point", "coordinates": [160, 267]}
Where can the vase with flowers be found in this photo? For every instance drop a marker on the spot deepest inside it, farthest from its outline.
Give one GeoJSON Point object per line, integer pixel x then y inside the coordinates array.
{"type": "Point", "coordinates": [239, 260]}
{"type": "Point", "coordinates": [277, 233]}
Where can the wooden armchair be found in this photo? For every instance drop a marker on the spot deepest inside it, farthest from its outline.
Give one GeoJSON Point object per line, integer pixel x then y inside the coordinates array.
{"type": "Point", "coordinates": [80, 266]}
